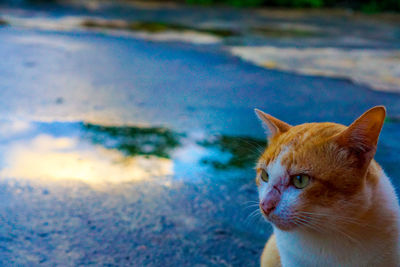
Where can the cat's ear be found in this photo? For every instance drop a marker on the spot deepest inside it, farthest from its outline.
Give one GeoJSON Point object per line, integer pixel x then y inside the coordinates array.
{"type": "Point", "coordinates": [272, 124]}
{"type": "Point", "coordinates": [362, 135]}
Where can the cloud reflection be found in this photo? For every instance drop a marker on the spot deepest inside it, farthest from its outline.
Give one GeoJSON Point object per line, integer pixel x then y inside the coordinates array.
{"type": "Point", "coordinates": [100, 155]}
{"type": "Point", "coordinates": [46, 157]}
{"type": "Point", "coordinates": [9, 128]}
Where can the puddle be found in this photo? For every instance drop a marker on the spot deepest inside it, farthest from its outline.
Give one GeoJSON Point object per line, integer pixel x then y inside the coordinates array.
{"type": "Point", "coordinates": [97, 154]}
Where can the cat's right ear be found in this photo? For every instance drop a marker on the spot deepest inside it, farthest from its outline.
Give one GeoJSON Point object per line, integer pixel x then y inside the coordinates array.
{"type": "Point", "coordinates": [361, 137]}
{"type": "Point", "coordinates": [272, 124]}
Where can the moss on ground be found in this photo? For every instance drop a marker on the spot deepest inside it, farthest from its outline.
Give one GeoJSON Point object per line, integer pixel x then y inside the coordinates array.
{"type": "Point", "coordinates": [3, 22]}
{"type": "Point", "coordinates": [153, 27]}
{"type": "Point", "coordinates": [279, 32]}
{"type": "Point", "coordinates": [392, 119]}
{"type": "Point", "coordinates": [367, 6]}
{"type": "Point", "coordinates": [244, 150]}
{"type": "Point", "coordinates": [155, 141]}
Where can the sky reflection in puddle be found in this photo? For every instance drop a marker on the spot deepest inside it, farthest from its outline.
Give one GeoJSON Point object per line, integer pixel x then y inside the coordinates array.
{"type": "Point", "coordinates": [99, 155]}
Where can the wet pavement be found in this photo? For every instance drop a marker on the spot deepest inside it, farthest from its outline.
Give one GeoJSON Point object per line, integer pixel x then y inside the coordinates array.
{"type": "Point", "coordinates": [118, 150]}
{"type": "Point", "coordinates": [79, 194]}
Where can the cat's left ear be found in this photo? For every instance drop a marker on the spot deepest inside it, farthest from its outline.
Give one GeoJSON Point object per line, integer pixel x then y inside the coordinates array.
{"type": "Point", "coordinates": [272, 124]}
{"type": "Point", "coordinates": [362, 135]}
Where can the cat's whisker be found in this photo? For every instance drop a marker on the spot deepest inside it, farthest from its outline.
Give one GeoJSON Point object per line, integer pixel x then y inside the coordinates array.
{"type": "Point", "coordinates": [297, 223]}
{"type": "Point", "coordinates": [343, 218]}
{"type": "Point", "coordinates": [251, 216]}
{"type": "Point", "coordinates": [254, 145]}
{"type": "Point", "coordinates": [250, 201]}
{"type": "Point", "coordinates": [322, 214]}
{"type": "Point", "coordinates": [336, 228]}
{"type": "Point", "coordinates": [256, 220]}
{"type": "Point", "coordinates": [338, 219]}
{"type": "Point", "coordinates": [323, 224]}
{"type": "Point", "coordinates": [314, 221]}
{"type": "Point", "coordinates": [316, 225]}
{"type": "Point", "coordinates": [260, 219]}
{"type": "Point", "coordinates": [251, 206]}
{"type": "Point", "coordinates": [346, 234]}
{"type": "Point", "coordinates": [311, 224]}
{"type": "Point", "coordinates": [259, 149]}
{"type": "Point", "coordinates": [253, 212]}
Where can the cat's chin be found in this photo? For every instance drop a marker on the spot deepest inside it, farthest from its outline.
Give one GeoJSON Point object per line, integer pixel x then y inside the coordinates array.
{"type": "Point", "coordinates": [281, 224]}
{"type": "Point", "coordinates": [284, 226]}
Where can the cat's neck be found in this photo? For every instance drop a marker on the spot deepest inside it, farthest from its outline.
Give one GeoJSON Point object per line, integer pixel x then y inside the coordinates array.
{"type": "Point", "coordinates": [353, 243]}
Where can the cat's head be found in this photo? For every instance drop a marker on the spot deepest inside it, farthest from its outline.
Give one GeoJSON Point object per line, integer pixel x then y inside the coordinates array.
{"type": "Point", "coordinates": [316, 173]}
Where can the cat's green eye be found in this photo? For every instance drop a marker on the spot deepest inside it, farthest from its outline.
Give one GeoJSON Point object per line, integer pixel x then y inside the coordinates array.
{"type": "Point", "coordinates": [264, 176]}
{"type": "Point", "coordinates": [300, 181]}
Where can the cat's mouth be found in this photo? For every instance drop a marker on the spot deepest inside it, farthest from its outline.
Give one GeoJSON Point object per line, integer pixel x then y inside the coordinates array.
{"type": "Point", "coordinates": [283, 222]}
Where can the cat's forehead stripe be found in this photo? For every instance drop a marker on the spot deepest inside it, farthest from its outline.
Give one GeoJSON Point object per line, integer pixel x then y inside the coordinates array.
{"type": "Point", "coordinates": [299, 138]}
{"type": "Point", "coordinates": [276, 169]}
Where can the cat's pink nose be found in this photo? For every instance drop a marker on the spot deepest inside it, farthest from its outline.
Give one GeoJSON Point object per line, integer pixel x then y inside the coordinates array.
{"type": "Point", "coordinates": [270, 201]}
{"type": "Point", "coordinates": [267, 207]}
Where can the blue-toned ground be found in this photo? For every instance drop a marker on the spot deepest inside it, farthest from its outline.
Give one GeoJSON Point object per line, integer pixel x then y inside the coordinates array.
{"type": "Point", "coordinates": [117, 150]}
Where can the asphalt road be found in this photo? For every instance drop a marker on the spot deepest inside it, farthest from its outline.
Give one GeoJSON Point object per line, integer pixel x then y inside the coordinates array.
{"type": "Point", "coordinates": [119, 151]}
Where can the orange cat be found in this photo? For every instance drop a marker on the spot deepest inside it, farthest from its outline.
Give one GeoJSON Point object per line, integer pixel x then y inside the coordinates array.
{"type": "Point", "coordinates": [329, 202]}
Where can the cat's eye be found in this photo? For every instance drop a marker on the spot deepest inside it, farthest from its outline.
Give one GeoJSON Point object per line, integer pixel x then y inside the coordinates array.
{"type": "Point", "coordinates": [300, 181]}
{"type": "Point", "coordinates": [264, 176]}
